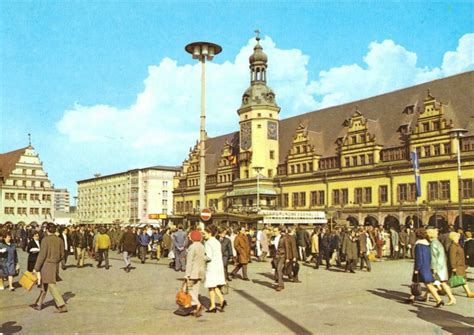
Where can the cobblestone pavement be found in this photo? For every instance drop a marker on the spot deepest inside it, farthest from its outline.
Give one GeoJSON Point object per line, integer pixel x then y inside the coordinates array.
{"type": "Point", "coordinates": [326, 302]}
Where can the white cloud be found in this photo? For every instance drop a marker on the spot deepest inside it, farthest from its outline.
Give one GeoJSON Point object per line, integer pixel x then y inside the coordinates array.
{"type": "Point", "coordinates": [165, 116]}
{"type": "Point", "coordinates": [387, 67]}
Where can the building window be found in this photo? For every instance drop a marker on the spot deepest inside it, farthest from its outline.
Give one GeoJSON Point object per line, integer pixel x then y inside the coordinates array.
{"type": "Point", "coordinates": [21, 210]}
{"type": "Point", "coordinates": [295, 197]}
{"type": "Point", "coordinates": [270, 173]}
{"type": "Point", "coordinates": [165, 183]}
{"type": "Point", "coordinates": [310, 167]}
{"type": "Point", "coordinates": [165, 193]}
{"type": "Point", "coordinates": [292, 169]}
{"type": "Point", "coordinates": [433, 190]}
{"type": "Point", "coordinates": [272, 154]}
{"type": "Point", "coordinates": [447, 148]}
{"type": "Point", "coordinates": [383, 194]}
{"type": "Point", "coordinates": [9, 210]}
{"type": "Point", "coordinates": [23, 183]}
{"type": "Point", "coordinates": [297, 168]}
{"type": "Point", "coordinates": [345, 196]}
{"type": "Point", "coordinates": [34, 211]}
{"type": "Point", "coordinates": [348, 161]}
{"type": "Point", "coordinates": [45, 211]}
{"type": "Point", "coordinates": [354, 161]}
{"type": "Point", "coordinates": [353, 139]}
{"type": "Point", "coordinates": [358, 195]}
{"type": "Point", "coordinates": [427, 150]}
{"type": "Point", "coordinates": [313, 198]}
{"type": "Point", "coordinates": [371, 158]}
{"type": "Point", "coordinates": [321, 198]}
{"type": "Point", "coordinates": [426, 126]}
{"type": "Point", "coordinates": [246, 173]}
{"type": "Point", "coordinates": [335, 197]}
{"type": "Point", "coordinates": [33, 172]}
{"type": "Point", "coordinates": [22, 196]}
{"type": "Point", "coordinates": [402, 192]}
{"type": "Point", "coordinates": [435, 125]}
{"type": "Point", "coordinates": [445, 193]}
{"type": "Point", "coordinates": [303, 199]}
{"type": "Point", "coordinates": [437, 150]}
{"type": "Point", "coordinates": [164, 203]}
{"type": "Point", "coordinates": [367, 195]}
{"type": "Point", "coordinates": [24, 172]}
{"type": "Point", "coordinates": [285, 200]}
{"type": "Point", "coordinates": [9, 196]}
{"type": "Point", "coordinates": [362, 159]}
{"type": "Point", "coordinates": [467, 189]}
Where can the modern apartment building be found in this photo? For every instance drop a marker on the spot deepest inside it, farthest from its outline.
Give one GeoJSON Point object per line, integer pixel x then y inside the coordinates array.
{"type": "Point", "coordinates": [62, 200]}
{"type": "Point", "coordinates": [135, 196]}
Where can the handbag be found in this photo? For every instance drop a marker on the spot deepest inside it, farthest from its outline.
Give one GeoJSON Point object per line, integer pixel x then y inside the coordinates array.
{"type": "Point", "coordinates": [183, 298]}
{"type": "Point", "coordinates": [415, 286]}
{"type": "Point", "coordinates": [456, 280]}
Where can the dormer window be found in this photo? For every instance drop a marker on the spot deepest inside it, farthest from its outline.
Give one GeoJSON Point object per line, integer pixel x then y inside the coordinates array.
{"type": "Point", "coordinates": [426, 126]}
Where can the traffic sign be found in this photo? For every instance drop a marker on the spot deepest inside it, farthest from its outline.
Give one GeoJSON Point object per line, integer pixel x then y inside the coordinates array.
{"type": "Point", "coordinates": [206, 214]}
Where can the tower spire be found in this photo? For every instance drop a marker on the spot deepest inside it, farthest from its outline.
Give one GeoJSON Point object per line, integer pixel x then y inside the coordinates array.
{"type": "Point", "coordinates": [29, 139]}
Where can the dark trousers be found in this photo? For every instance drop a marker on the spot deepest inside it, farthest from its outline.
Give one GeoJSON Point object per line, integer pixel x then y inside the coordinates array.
{"type": "Point", "coordinates": [143, 251]}
{"type": "Point", "coordinates": [350, 264]}
{"type": "Point", "coordinates": [64, 260]}
{"type": "Point", "coordinates": [279, 266]}
{"type": "Point", "coordinates": [238, 267]}
{"type": "Point", "coordinates": [103, 254]}
{"type": "Point", "coordinates": [364, 258]}
{"type": "Point", "coordinates": [225, 260]}
{"type": "Point", "coordinates": [319, 261]}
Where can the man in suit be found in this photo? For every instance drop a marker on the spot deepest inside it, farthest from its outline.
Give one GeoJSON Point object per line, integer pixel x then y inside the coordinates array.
{"type": "Point", "coordinates": [242, 247]}
{"type": "Point", "coordinates": [128, 244]}
{"type": "Point", "coordinates": [64, 235]}
{"type": "Point", "coordinates": [282, 256]}
{"type": "Point", "coordinates": [180, 242]}
{"type": "Point", "coordinates": [324, 244]}
{"type": "Point", "coordinates": [81, 243]}
{"type": "Point", "coordinates": [226, 246]}
{"type": "Point", "coordinates": [47, 268]}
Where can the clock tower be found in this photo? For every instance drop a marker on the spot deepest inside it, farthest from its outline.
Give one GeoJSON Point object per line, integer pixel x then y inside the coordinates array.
{"type": "Point", "coordinates": [259, 121]}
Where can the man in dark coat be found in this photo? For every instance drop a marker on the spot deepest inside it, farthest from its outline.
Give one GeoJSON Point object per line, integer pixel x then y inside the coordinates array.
{"type": "Point", "coordinates": [292, 268]}
{"type": "Point", "coordinates": [81, 243]}
{"type": "Point", "coordinates": [403, 239]}
{"type": "Point", "coordinates": [363, 249]}
{"type": "Point", "coordinates": [47, 267]}
{"type": "Point", "coordinates": [180, 244]}
{"type": "Point", "coordinates": [324, 245]}
{"type": "Point", "coordinates": [65, 236]}
{"type": "Point", "coordinates": [303, 242]}
{"type": "Point", "coordinates": [128, 244]}
{"type": "Point", "coordinates": [282, 256]}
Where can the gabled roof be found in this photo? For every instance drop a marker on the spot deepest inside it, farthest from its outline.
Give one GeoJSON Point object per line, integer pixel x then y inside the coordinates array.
{"type": "Point", "coordinates": [8, 161]}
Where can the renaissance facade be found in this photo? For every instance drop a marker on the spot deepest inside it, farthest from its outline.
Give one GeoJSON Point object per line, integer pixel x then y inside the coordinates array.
{"type": "Point", "coordinates": [26, 193]}
{"type": "Point", "coordinates": [134, 196]}
{"type": "Point", "coordinates": [351, 161]}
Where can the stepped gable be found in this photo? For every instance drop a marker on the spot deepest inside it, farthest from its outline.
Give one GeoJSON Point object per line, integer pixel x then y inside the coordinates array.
{"type": "Point", "coordinates": [456, 93]}
{"type": "Point", "coordinates": [214, 148]}
{"type": "Point", "coordinates": [8, 162]}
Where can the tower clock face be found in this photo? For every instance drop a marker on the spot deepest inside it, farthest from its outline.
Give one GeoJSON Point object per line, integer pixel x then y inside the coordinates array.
{"type": "Point", "coordinates": [245, 135]}
{"type": "Point", "coordinates": [272, 130]}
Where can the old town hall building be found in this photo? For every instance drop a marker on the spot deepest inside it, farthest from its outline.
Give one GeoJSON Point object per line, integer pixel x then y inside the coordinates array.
{"type": "Point", "coordinates": [351, 161]}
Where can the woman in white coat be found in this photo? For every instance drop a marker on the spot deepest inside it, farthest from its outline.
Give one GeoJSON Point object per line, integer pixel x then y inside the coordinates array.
{"type": "Point", "coordinates": [439, 263]}
{"type": "Point", "coordinates": [215, 277]}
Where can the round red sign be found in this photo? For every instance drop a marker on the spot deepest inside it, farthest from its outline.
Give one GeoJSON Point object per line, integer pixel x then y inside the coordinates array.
{"type": "Point", "coordinates": [206, 214]}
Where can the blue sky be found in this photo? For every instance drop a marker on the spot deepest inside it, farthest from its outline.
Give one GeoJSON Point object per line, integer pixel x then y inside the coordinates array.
{"type": "Point", "coordinates": [105, 86]}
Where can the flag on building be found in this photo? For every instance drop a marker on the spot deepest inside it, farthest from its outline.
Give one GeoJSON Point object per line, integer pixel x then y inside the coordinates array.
{"type": "Point", "coordinates": [232, 159]}
{"type": "Point", "coordinates": [416, 168]}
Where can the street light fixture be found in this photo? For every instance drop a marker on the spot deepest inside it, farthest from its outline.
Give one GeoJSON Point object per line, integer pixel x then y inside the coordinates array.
{"type": "Point", "coordinates": [203, 51]}
{"type": "Point", "coordinates": [458, 133]}
{"type": "Point", "coordinates": [258, 169]}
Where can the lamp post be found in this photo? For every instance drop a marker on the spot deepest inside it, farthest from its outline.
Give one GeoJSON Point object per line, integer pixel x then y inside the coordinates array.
{"type": "Point", "coordinates": [458, 133]}
{"type": "Point", "coordinates": [203, 51]}
{"type": "Point", "coordinates": [258, 169]}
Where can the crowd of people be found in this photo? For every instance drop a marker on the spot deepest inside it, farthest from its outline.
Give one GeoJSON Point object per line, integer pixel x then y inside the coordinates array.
{"type": "Point", "coordinates": [204, 255]}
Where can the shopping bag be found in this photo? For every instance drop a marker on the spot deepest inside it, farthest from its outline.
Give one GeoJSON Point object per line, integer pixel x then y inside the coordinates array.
{"type": "Point", "coordinates": [456, 280]}
{"type": "Point", "coordinates": [28, 280]}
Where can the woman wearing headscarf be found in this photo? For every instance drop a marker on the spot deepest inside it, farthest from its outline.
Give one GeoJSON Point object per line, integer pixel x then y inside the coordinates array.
{"type": "Point", "coordinates": [195, 269]}
{"type": "Point", "coordinates": [423, 266]}
{"type": "Point", "coordinates": [215, 277]}
{"type": "Point", "coordinates": [8, 260]}
{"type": "Point", "coordinates": [457, 261]}
{"type": "Point", "coordinates": [439, 263]}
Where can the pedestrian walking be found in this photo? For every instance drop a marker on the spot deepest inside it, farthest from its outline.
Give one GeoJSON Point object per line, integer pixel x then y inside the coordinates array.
{"type": "Point", "coordinates": [422, 267]}
{"type": "Point", "coordinates": [144, 241]}
{"type": "Point", "coordinates": [8, 260]}
{"type": "Point", "coordinates": [128, 244]}
{"type": "Point", "coordinates": [81, 244]}
{"type": "Point", "coordinates": [47, 268]}
{"type": "Point", "coordinates": [226, 247]}
{"type": "Point", "coordinates": [242, 247]}
{"type": "Point", "coordinates": [457, 261]}
{"type": "Point", "coordinates": [102, 247]}
{"type": "Point", "coordinates": [215, 277]}
{"type": "Point", "coordinates": [350, 250]}
{"type": "Point", "coordinates": [469, 249]}
{"type": "Point", "coordinates": [64, 235]}
{"type": "Point", "coordinates": [363, 251]}
{"type": "Point", "coordinates": [33, 250]}
{"type": "Point", "coordinates": [195, 270]}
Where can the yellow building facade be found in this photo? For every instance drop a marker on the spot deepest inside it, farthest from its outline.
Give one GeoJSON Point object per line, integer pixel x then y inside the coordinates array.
{"type": "Point", "coordinates": [352, 161]}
